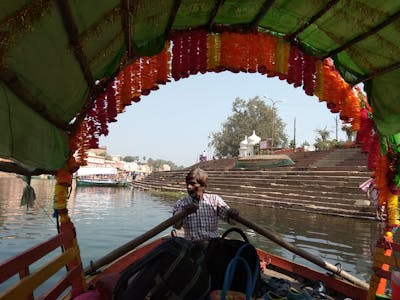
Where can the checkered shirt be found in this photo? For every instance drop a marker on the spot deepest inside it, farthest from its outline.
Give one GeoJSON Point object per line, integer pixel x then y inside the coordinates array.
{"type": "Point", "coordinates": [203, 224]}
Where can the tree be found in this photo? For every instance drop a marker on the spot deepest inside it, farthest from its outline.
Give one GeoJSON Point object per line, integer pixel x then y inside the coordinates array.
{"type": "Point", "coordinates": [247, 116]}
{"type": "Point", "coordinates": [131, 158]}
{"type": "Point", "coordinates": [292, 144]}
{"type": "Point", "coordinates": [322, 139]}
{"type": "Point", "coordinates": [349, 132]}
{"type": "Point", "coordinates": [158, 163]}
{"type": "Point", "coordinates": [323, 134]}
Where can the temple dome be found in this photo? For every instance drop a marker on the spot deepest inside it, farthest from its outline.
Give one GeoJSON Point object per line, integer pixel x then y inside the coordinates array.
{"type": "Point", "coordinates": [244, 143]}
{"type": "Point", "coordinates": [253, 139]}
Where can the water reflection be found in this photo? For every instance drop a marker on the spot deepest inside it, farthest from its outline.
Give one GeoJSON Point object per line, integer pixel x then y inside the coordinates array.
{"type": "Point", "coordinates": [106, 218]}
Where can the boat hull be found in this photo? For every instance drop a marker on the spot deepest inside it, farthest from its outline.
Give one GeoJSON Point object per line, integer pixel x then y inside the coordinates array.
{"type": "Point", "coordinates": [105, 278]}
{"type": "Point", "coordinates": [101, 183]}
{"type": "Point", "coordinates": [275, 266]}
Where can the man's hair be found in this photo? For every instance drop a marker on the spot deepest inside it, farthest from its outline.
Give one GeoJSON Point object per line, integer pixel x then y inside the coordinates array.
{"type": "Point", "coordinates": [199, 175]}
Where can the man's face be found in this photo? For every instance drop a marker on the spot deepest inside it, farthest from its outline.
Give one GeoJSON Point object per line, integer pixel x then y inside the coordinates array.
{"type": "Point", "coordinates": [194, 189]}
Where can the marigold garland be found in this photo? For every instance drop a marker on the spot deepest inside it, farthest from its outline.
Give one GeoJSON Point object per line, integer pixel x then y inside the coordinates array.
{"type": "Point", "coordinates": [266, 58]}
{"type": "Point", "coordinates": [282, 53]}
{"type": "Point", "coordinates": [309, 73]}
{"type": "Point", "coordinates": [295, 67]}
{"type": "Point", "coordinates": [197, 51]}
{"type": "Point", "coordinates": [111, 95]}
{"type": "Point", "coordinates": [213, 52]}
{"type": "Point", "coordinates": [253, 49]}
{"type": "Point", "coordinates": [137, 85]}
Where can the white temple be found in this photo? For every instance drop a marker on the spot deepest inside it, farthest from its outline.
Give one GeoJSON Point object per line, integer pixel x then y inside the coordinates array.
{"type": "Point", "coordinates": [247, 145]}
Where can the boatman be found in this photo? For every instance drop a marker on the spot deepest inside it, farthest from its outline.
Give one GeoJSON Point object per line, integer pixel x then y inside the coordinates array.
{"type": "Point", "coordinates": [208, 208]}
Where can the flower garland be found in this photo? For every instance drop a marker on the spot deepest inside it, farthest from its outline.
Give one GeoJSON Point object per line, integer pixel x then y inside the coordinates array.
{"type": "Point", "coordinates": [198, 51]}
{"type": "Point", "coordinates": [214, 52]}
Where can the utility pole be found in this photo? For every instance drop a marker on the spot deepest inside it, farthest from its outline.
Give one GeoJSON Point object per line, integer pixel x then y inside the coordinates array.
{"type": "Point", "coordinates": [294, 135]}
{"type": "Point", "coordinates": [336, 123]}
{"type": "Point", "coordinates": [274, 102]}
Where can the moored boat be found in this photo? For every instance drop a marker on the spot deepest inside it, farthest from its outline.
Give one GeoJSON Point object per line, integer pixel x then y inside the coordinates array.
{"type": "Point", "coordinates": [96, 176]}
{"type": "Point", "coordinates": [108, 182]}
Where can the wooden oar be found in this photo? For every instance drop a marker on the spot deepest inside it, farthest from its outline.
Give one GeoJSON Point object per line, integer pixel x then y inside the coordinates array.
{"type": "Point", "coordinates": [117, 253]}
{"type": "Point", "coordinates": [314, 259]}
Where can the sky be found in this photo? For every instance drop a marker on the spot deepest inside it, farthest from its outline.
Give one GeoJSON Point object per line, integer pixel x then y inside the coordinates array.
{"type": "Point", "coordinates": [174, 123]}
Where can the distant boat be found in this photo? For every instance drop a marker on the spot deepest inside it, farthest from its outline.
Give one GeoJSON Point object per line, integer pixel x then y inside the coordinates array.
{"type": "Point", "coordinates": [100, 176]}
{"type": "Point", "coordinates": [101, 182]}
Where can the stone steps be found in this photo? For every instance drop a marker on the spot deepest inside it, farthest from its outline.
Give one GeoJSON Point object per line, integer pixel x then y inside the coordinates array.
{"type": "Point", "coordinates": [330, 187]}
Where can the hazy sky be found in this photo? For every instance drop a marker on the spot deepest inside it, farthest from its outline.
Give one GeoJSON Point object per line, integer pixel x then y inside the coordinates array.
{"type": "Point", "coordinates": [174, 122]}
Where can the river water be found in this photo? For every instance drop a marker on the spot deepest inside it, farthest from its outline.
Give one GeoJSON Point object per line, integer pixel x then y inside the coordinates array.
{"type": "Point", "coordinates": [106, 218]}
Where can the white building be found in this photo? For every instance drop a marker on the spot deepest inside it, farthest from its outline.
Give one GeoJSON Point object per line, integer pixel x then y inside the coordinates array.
{"type": "Point", "coordinates": [247, 145]}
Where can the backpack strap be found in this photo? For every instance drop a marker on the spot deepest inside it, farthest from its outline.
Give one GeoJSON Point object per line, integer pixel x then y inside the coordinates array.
{"type": "Point", "coordinates": [238, 230]}
{"type": "Point", "coordinates": [191, 283]}
{"type": "Point", "coordinates": [160, 280]}
{"type": "Point", "coordinates": [230, 271]}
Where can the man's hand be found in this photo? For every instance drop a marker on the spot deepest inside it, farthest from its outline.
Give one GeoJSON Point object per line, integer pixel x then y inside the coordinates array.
{"type": "Point", "coordinates": [232, 213]}
{"type": "Point", "coordinates": [191, 208]}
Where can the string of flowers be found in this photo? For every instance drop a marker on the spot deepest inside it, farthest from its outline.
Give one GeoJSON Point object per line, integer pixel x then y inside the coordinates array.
{"type": "Point", "coordinates": [253, 49]}
{"type": "Point", "coordinates": [282, 53]}
{"type": "Point", "coordinates": [197, 51]}
{"type": "Point", "coordinates": [295, 74]}
{"type": "Point", "coordinates": [214, 52]}
{"type": "Point", "coordinates": [266, 56]}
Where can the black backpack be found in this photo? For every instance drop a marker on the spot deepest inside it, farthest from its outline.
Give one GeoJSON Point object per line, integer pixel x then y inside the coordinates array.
{"type": "Point", "coordinates": [222, 252]}
{"type": "Point", "coordinates": [173, 270]}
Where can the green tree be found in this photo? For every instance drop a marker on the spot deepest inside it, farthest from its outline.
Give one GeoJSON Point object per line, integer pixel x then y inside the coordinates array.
{"type": "Point", "coordinates": [322, 141]}
{"type": "Point", "coordinates": [131, 158]}
{"type": "Point", "coordinates": [157, 163]}
{"type": "Point", "coordinates": [247, 116]}
{"type": "Point", "coordinates": [349, 132]}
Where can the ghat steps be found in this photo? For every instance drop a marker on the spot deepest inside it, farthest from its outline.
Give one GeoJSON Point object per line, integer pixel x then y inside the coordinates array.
{"type": "Point", "coordinates": [326, 183]}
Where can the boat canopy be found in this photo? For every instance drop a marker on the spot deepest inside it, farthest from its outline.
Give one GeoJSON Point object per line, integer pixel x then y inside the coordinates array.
{"type": "Point", "coordinates": [57, 57]}
{"type": "Point", "coordinates": [86, 171]}
{"type": "Point", "coordinates": [68, 68]}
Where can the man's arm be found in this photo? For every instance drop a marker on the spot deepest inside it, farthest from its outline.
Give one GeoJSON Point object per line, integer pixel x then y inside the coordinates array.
{"type": "Point", "coordinates": [189, 208]}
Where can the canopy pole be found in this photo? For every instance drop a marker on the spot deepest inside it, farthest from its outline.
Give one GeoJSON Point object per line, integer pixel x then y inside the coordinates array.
{"type": "Point", "coordinates": [314, 259]}
{"type": "Point", "coordinates": [120, 251]}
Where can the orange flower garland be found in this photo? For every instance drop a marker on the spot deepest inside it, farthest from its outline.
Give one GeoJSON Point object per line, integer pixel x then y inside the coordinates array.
{"type": "Point", "coordinates": [213, 52]}
{"type": "Point", "coordinates": [282, 58]}
{"type": "Point", "coordinates": [135, 74]}
{"type": "Point", "coordinates": [319, 80]}
{"type": "Point", "coordinates": [266, 58]}
{"type": "Point", "coordinates": [253, 49]}
{"type": "Point", "coordinates": [197, 51]}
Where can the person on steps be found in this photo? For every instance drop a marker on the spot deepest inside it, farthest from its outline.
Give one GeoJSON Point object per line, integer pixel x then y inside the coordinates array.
{"type": "Point", "coordinates": [373, 196]}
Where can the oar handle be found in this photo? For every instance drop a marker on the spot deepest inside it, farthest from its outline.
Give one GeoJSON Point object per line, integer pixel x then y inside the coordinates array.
{"type": "Point", "coordinates": [314, 259]}
{"type": "Point", "coordinates": [118, 252]}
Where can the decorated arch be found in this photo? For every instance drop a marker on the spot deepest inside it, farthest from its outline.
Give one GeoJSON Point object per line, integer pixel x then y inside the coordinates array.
{"type": "Point", "coordinates": [192, 52]}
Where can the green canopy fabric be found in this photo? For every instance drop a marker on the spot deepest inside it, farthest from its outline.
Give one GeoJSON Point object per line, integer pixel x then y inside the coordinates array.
{"type": "Point", "coordinates": [52, 53]}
